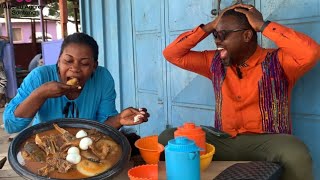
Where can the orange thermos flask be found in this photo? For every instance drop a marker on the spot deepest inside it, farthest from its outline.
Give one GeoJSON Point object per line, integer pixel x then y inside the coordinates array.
{"type": "Point", "coordinates": [193, 132]}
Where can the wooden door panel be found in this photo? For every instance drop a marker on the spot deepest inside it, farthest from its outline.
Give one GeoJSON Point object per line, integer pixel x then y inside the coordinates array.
{"type": "Point", "coordinates": [147, 21]}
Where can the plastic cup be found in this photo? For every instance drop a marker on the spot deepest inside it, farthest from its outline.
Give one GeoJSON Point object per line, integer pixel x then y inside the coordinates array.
{"type": "Point", "coordinates": [144, 172]}
{"type": "Point", "coordinates": [150, 149]}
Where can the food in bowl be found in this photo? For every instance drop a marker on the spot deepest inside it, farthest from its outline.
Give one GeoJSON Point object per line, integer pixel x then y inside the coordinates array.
{"type": "Point", "coordinates": [56, 153]}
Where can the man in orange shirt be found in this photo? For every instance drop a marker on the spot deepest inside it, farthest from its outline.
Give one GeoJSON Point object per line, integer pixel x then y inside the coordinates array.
{"type": "Point", "coordinates": [252, 86]}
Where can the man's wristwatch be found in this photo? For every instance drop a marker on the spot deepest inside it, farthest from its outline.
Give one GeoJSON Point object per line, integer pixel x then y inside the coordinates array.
{"type": "Point", "coordinates": [265, 24]}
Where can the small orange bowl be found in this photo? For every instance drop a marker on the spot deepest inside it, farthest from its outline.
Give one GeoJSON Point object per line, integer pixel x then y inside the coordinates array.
{"type": "Point", "coordinates": [206, 159]}
{"type": "Point", "coordinates": [150, 149]}
{"type": "Point", "coordinates": [144, 172]}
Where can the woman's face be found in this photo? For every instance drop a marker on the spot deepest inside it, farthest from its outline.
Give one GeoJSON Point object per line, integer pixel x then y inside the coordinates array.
{"type": "Point", "coordinates": [76, 61]}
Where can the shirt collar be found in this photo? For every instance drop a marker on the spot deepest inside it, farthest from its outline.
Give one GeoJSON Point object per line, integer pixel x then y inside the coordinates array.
{"type": "Point", "coordinates": [254, 59]}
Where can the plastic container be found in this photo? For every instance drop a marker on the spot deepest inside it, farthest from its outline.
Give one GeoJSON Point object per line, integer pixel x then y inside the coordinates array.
{"type": "Point", "coordinates": [182, 159]}
{"type": "Point", "coordinates": [206, 159]}
{"type": "Point", "coordinates": [144, 172]}
{"type": "Point", "coordinates": [150, 149]}
{"type": "Point", "coordinates": [74, 123]}
{"type": "Point", "coordinates": [193, 132]}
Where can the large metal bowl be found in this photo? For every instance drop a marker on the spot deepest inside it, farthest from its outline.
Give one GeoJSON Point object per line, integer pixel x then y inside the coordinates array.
{"type": "Point", "coordinates": [73, 123]}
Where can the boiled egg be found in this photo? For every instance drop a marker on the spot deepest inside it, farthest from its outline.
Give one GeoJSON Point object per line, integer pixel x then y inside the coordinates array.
{"type": "Point", "coordinates": [81, 134]}
{"type": "Point", "coordinates": [73, 158]}
{"type": "Point", "coordinates": [73, 150]}
{"type": "Point", "coordinates": [137, 118]}
{"type": "Point", "coordinates": [85, 143]}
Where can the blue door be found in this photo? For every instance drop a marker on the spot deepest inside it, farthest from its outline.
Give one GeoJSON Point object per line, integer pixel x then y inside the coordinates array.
{"type": "Point", "coordinates": [303, 16]}
{"type": "Point", "coordinates": [148, 42]}
{"type": "Point", "coordinates": [171, 94]}
{"type": "Point", "coordinates": [188, 96]}
{"type": "Point", "coordinates": [134, 33]}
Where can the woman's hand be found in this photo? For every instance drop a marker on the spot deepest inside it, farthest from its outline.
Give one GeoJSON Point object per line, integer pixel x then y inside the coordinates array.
{"type": "Point", "coordinates": [55, 89]}
{"type": "Point", "coordinates": [30, 106]}
{"type": "Point", "coordinates": [133, 116]}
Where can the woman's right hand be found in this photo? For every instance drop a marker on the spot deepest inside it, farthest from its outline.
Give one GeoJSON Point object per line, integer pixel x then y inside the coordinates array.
{"type": "Point", "coordinates": [31, 105]}
{"type": "Point", "coordinates": [55, 89]}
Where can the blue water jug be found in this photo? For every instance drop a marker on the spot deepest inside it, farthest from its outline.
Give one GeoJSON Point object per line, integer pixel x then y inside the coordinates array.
{"type": "Point", "coordinates": [182, 159]}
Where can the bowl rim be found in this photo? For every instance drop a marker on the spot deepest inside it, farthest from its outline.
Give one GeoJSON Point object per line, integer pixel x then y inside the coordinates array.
{"type": "Point", "coordinates": [145, 149]}
{"type": "Point", "coordinates": [208, 154]}
{"type": "Point", "coordinates": [69, 123]}
{"type": "Point", "coordinates": [141, 166]}
{"type": "Point", "coordinates": [159, 149]}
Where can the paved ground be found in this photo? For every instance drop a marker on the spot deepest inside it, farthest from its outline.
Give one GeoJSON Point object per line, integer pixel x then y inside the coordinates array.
{"type": "Point", "coordinates": [6, 173]}
{"type": "Point", "coordinates": [3, 136]}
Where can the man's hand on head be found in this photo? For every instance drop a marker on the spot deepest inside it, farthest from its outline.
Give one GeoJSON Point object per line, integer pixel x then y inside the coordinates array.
{"type": "Point", "coordinates": [254, 17]}
{"type": "Point", "coordinates": [213, 24]}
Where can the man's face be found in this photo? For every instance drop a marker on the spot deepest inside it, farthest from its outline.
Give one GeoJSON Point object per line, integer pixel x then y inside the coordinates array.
{"type": "Point", "coordinates": [229, 39]}
{"type": "Point", "coordinates": [76, 61]}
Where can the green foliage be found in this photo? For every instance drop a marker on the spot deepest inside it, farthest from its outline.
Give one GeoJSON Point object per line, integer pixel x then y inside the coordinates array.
{"type": "Point", "coordinates": [33, 10]}
{"type": "Point", "coordinates": [54, 9]}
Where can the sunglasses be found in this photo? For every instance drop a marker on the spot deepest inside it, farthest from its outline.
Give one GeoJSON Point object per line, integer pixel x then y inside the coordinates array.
{"type": "Point", "coordinates": [222, 35]}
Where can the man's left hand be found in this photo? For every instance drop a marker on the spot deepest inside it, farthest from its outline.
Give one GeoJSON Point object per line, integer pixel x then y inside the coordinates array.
{"type": "Point", "coordinates": [254, 17]}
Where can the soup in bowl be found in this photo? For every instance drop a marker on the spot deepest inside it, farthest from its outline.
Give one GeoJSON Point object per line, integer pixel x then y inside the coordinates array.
{"type": "Point", "coordinates": [69, 149]}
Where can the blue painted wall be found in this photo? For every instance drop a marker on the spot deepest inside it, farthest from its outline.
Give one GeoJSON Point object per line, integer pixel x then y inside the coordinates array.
{"type": "Point", "coordinates": [133, 33]}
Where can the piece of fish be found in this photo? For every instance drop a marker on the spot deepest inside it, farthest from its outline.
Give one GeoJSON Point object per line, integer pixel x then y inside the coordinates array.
{"type": "Point", "coordinates": [32, 151]}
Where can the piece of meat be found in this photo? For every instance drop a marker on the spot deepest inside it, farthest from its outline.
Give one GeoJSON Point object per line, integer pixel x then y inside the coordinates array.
{"type": "Point", "coordinates": [45, 170]}
{"type": "Point", "coordinates": [67, 145]}
{"type": "Point", "coordinates": [94, 135]}
{"type": "Point", "coordinates": [47, 143]}
{"type": "Point", "coordinates": [67, 136]}
{"type": "Point", "coordinates": [90, 156]}
{"type": "Point", "coordinates": [103, 147]}
{"type": "Point", "coordinates": [33, 152]}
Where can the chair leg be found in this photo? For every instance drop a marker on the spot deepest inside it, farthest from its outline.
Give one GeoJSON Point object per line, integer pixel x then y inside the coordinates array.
{"type": "Point", "coordinates": [2, 162]}
{"type": "Point", "coordinates": [3, 100]}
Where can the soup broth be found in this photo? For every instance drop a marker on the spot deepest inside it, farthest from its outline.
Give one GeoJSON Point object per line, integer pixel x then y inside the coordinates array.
{"type": "Point", "coordinates": [102, 145]}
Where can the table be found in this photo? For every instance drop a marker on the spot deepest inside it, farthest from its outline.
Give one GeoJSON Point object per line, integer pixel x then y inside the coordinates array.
{"type": "Point", "coordinates": [216, 167]}
{"type": "Point", "coordinates": [6, 173]}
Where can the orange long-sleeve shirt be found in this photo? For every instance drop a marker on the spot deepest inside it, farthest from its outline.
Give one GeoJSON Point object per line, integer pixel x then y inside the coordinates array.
{"type": "Point", "coordinates": [252, 104]}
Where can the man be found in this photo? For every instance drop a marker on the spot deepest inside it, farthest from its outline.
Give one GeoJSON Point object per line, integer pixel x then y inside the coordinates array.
{"type": "Point", "coordinates": [3, 86]}
{"type": "Point", "coordinates": [3, 76]}
{"type": "Point", "coordinates": [252, 86]}
{"type": "Point", "coordinates": [35, 62]}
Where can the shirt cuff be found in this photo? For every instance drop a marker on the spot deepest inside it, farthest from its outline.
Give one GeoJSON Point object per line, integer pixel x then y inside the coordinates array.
{"type": "Point", "coordinates": [197, 34]}
{"type": "Point", "coordinates": [199, 31]}
{"type": "Point", "coordinates": [274, 30]}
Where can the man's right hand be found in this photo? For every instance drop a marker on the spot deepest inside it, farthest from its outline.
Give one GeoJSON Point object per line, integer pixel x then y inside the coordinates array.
{"type": "Point", "coordinates": [213, 24]}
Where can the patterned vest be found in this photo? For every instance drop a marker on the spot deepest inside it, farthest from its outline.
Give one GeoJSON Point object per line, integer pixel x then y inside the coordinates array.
{"type": "Point", "coordinates": [273, 94]}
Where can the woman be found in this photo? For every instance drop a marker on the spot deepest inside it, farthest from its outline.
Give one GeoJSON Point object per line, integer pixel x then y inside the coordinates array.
{"type": "Point", "coordinates": [45, 95]}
